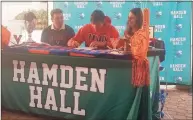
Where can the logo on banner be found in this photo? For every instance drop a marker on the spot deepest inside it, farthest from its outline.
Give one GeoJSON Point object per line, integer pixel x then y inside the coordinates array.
{"type": "Point", "coordinates": [137, 4]}
{"type": "Point", "coordinates": [178, 27]}
{"type": "Point", "coordinates": [161, 68]}
{"type": "Point", "coordinates": [65, 4]}
{"type": "Point", "coordinates": [178, 79]}
{"type": "Point", "coordinates": [117, 16]}
{"type": "Point", "coordinates": [161, 78]}
{"type": "Point", "coordinates": [77, 27]}
{"type": "Point", "coordinates": [159, 28]}
{"type": "Point", "coordinates": [177, 67]}
{"type": "Point", "coordinates": [99, 4]}
{"type": "Point", "coordinates": [80, 4]}
{"type": "Point", "coordinates": [67, 16]}
{"type": "Point", "coordinates": [178, 54]}
{"type": "Point", "coordinates": [120, 28]}
{"type": "Point", "coordinates": [158, 14]}
{"type": "Point", "coordinates": [81, 15]}
{"type": "Point", "coordinates": [178, 14]}
{"type": "Point", "coordinates": [178, 40]}
{"type": "Point", "coordinates": [157, 3]}
{"type": "Point", "coordinates": [118, 4]}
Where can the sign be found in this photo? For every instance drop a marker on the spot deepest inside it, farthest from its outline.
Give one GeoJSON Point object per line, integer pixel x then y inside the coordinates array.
{"type": "Point", "coordinates": [50, 77]}
{"type": "Point", "coordinates": [77, 88]}
{"type": "Point", "coordinates": [171, 21]}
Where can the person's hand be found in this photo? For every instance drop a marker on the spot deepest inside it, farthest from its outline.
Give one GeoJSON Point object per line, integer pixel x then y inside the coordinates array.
{"type": "Point", "coordinates": [114, 42]}
{"type": "Point", "coordinates": [97, 44]}
{"type": "Point", "coordinates": [73, 43]}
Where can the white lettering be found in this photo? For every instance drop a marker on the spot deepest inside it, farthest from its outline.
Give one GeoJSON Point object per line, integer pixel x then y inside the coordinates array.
{"type": "Point", "coordinates": [18, 71]}
{"type": "Point", "coordinates": [49, 74]}
{"type": "Point", "coordinates": [76, 104]}
{"type": "Point", "coordinates": [80, 78]}
{"type": "Point", "coordinates": [33, 74]}
{"type": "Point", "coordinates": [62, 108]}
{"type": "Point", "coordinates": [37, 96]}
{"type": "Point", "coordinates": [96, 80]}
{"type": "Point", "coordinates": [63, 76]}
{"type": "Point", "coordinates": [51, 100]}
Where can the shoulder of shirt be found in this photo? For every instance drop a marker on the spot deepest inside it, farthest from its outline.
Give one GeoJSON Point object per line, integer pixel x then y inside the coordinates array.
{"type": "Point", "coordinates": [87, 26]}
{"type": "Point", "coordinates": [47, 28]}
{"type": "Point", "coordinates": [68, 27]}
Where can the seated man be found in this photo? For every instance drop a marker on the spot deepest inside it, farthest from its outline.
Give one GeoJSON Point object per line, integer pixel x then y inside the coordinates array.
{"type": "Point", "coordinates": [57, 33]}
{"type": "Point", "coordinates": [96, 34]}
{"type": "Point", "coordinates": [5, 37]}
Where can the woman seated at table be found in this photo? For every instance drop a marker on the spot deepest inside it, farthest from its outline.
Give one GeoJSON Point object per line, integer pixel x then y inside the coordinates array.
{"type": "Point", "coordinates": [96, 34]}
{"type": "Point", "coordinates": [137, 34]}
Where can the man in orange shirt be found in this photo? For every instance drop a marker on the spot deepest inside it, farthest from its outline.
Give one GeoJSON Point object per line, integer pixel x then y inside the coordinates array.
{"type": "Point", "coordinates": [5, 36]}
{"type": "Point", "coordinates": [96, 34]}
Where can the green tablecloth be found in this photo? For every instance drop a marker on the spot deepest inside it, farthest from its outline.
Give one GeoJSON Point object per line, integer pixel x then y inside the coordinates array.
{"type": "Point", "coordinates": [87, 100]}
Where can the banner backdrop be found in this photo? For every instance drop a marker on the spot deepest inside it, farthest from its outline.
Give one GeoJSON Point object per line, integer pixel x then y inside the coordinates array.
{"type": "Point", "coordinates": [171, 20]}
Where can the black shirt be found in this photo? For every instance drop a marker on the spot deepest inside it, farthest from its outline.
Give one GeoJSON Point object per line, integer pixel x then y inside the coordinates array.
{"type": "Point", "coordinates": [57, 37]}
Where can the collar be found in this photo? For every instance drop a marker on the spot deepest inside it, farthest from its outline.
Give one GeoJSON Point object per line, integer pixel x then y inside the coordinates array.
{"type": "Point", "coordinates": [62, 28]}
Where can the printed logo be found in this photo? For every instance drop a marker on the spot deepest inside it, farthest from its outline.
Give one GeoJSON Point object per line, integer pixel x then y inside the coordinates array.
{"type": "Point", "coordinates": [161, 78]}
{"type": "Point", "coordinates": [120, 28]}
{"type": "Point", "coordinates": [178, 40]}
{"type": "Point", "coordinates": [117, 16]}
{"type": "Point", "coordinates": [178, 27]}
{"type": "Point", "coordinates": [100, 38]}
{"type": "Point", "coordinates": [178, 54]}
{"type": "Point", "coordinates": [137, 4]}
{"type": "Point", "coordinates": [81, 15]}
{"type": "Point", "coordinates": [65, 4]}
{"type": "Point", "coordinates": [118, 4]}
{"type": "Point", "coordinates": [157, 3]}
{"type": "Point", "coordinates": [99, 4]}
{"type": "Point", "coordinates": [159, 38]}
{"type": "Point", "coordinates": [178, 14]}
{"type": "Point", "coordinates": [178, 79]}
{"type": "Point", "coordinates": [80, 4]}
{"type": "Point", "coordinates": [159, 28]}
{"type": "Point", "coordinates": [161, 68]}
{"type": "Point", "coordinates": [77, 27]}
{"type": "Point", "coordinates": [177, 67]}
{"type": "Point", "coordinates": [158, 14]}
{"type": "Point", "coordinates": [67, 16]}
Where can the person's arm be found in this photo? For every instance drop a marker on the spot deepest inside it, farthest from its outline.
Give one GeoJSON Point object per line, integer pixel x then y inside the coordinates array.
{"type": "Point", "coordinates": [44, 36]}
{"type": "Point", "coordinates": [111, 43]}
{"type": "Point", "coordinates": [77, 39]}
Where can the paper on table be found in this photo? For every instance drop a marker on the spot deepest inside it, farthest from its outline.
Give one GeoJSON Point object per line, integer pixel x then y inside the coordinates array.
{"type": "Point", "coordinates": [86, 48]}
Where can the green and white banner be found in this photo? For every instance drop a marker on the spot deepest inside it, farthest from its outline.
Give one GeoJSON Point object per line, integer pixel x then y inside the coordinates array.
{"type": "Point", "coordinates": [77, 88]}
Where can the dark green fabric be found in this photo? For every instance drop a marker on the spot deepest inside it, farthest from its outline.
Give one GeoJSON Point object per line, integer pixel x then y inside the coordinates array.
{"type": "Point", "coordinates": [121, 101]}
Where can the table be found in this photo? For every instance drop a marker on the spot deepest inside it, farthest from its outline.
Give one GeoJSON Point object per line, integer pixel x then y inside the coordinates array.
{"type": "Point", "coordinates": [77, 88]}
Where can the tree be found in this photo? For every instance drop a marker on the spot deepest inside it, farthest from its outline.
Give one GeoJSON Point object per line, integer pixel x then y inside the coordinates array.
{"type": "Point", "coordinates": [41, 15]}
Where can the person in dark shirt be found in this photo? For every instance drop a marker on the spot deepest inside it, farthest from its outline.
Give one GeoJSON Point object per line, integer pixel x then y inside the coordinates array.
{"type": "Point", "coordinates": [58, 33]}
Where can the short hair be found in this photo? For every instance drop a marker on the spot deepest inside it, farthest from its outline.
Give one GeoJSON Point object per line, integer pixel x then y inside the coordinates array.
{"type": "Point", "coordinates": [97, 16]}
{"type": "Point", "coordinates": [29, 16]}
{"type": "Point", "coordinates": [55, 11]}
{"type": "Point", "coordinates": [139, 16]}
